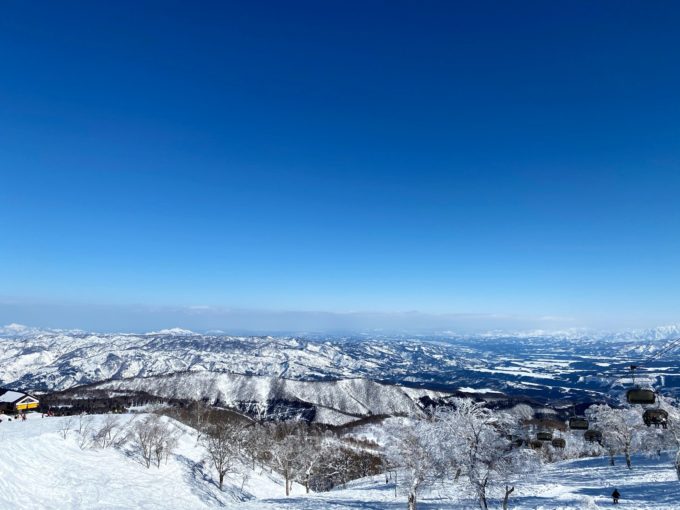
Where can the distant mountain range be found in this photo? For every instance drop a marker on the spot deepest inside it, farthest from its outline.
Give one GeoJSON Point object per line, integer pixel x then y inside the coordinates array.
{"type": "Point", "coordinates": [567, 365]}
{"type": "Point", "coordinates": [632, 335]}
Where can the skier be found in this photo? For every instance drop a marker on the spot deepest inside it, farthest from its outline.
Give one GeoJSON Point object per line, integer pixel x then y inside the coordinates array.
{"type": "Point", "coordinates": [616, 496]}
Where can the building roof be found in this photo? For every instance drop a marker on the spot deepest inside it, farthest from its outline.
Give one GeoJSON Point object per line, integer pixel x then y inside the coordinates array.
{"type": "Point", "coordinates": [11, 396]}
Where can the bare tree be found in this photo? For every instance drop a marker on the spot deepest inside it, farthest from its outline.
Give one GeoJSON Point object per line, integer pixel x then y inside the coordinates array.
{"type": "Point", "coordinates": [200, 413]}
{"type": "Point", "coordinates": [145, 437]}
{"type": "Point", "coordinates": [255, 442]}
{"type": "Point", "coordinates": [222, 446]}
{"type": "Point", "coordinates": [84, 432]}
{"type": "Point", "coordinates": [110, 433]}
{"type": "Point", "coordinates": [65, 425]}
{"type": "Point", "coordinates": [84, 423]}
{"type": "Point", "coordinates": [284, 457]}
{"type": "Point", "coordinates": [341, 463]}
{"type": "Point", "coordinates": [164, 442]}
{"type": "Point", "coordinates": [506, 497]}
{"type": "Point", "coordinates": [312, 454]}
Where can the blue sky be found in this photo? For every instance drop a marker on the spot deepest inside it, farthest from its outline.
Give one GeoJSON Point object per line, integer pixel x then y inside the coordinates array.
{"type": "Point", "coordinates": [484, 159]}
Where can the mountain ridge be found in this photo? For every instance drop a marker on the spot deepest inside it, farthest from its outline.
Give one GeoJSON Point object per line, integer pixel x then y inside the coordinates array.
{"type": "Point", "coordinates": [536, 366]}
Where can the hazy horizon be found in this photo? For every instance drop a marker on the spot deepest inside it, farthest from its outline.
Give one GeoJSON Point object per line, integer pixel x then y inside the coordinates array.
{"type": "Point", "coordinates": [141, 319]}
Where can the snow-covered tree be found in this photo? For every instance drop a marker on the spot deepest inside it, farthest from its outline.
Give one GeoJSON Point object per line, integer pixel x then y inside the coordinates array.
{"type": "Point", "coordinates": [412, 446]}
{"type": "Point", "coordinates": [521, 412]}
{"type": "Point", "coordinates": [672, 433]}
{"type": "Point", "coordinates": [340, 464]}
{"type": "Point", "coordinates": [477, 443]}
{"type": "Point", "coordinates": [621, 429]}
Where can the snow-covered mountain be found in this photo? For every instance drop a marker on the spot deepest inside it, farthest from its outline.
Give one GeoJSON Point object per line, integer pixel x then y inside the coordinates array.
{"type": "Point", "coordinates": [59, 360]}
{"type": "Point", "coordinates": [331, 402]}
{"type": "Point", "coordinates": [544, 366]}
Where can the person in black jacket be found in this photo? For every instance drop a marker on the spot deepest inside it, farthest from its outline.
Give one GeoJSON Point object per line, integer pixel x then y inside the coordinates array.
{"type": "Point", "coordinates": [615, 496]}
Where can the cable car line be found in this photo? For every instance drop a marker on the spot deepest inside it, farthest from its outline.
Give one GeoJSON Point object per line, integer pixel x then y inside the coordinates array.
{"type": "Point", "coordinates": [657, 355]}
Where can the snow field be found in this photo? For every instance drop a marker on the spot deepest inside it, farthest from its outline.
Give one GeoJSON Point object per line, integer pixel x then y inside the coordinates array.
{"type": "Point", "coordinates": [39, 469]}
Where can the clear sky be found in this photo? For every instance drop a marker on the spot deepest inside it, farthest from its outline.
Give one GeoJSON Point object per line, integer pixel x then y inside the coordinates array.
{"type": "Point", "coordinates": [492, 159]}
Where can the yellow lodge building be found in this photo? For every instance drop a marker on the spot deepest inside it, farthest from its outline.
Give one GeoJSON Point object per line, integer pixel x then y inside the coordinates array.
{"type": "Point", "coordinates": [12, 401]}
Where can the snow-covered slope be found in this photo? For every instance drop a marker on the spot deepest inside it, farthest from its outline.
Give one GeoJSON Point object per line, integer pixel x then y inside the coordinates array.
{"type": "Point", "coordinates": [348, 399]}
{"type": "Point", "coordinates": [571, 485]}
{"type": "Point", "coordinates": [41, 470]}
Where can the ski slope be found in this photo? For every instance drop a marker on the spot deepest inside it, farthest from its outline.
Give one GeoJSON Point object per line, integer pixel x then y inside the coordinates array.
{"type": "Point", "coordinates": [582, 484]}
{"type": "Point", "coordinates": [39, 469]}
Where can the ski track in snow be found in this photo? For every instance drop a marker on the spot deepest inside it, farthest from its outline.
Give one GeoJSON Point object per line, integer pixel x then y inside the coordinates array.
{"type": "Point", "coordinates": [39, 469]}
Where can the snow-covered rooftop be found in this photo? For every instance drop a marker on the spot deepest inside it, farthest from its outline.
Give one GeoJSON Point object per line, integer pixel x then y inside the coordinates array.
{"type": "Point", "coordinates": [11, 396]}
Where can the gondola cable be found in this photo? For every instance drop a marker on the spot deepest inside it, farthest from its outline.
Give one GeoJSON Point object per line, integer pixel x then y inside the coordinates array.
{"type": "Point", "coordinates": [661, 352]}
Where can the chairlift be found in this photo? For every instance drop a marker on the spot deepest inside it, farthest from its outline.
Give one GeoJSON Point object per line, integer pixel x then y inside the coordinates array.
{"type": "Point", "coordinates": [656, 417]}
{"type": "Point", "coordinates": [638, 395]}
{"type": "Point", "coordinates": [536, 445]}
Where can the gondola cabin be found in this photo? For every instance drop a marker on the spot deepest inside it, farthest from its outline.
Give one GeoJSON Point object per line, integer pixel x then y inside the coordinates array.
{"type": "Point", "coordinates": [15, 401]}
{"type": "Point", "coordinates": [593, 436]}
{"type": "Point", "coordinates": [559, 442]}
{"type": "Point", "coordinates": [535, 444]}
{"type": "Point", "coordinates": [640, 396]}
{"type": "Point", "coordinates": [578, 423]}
{"type": "Point", "coordinates": [656, 417]}
{"type": "Point", "coordinates": [544, 435]}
